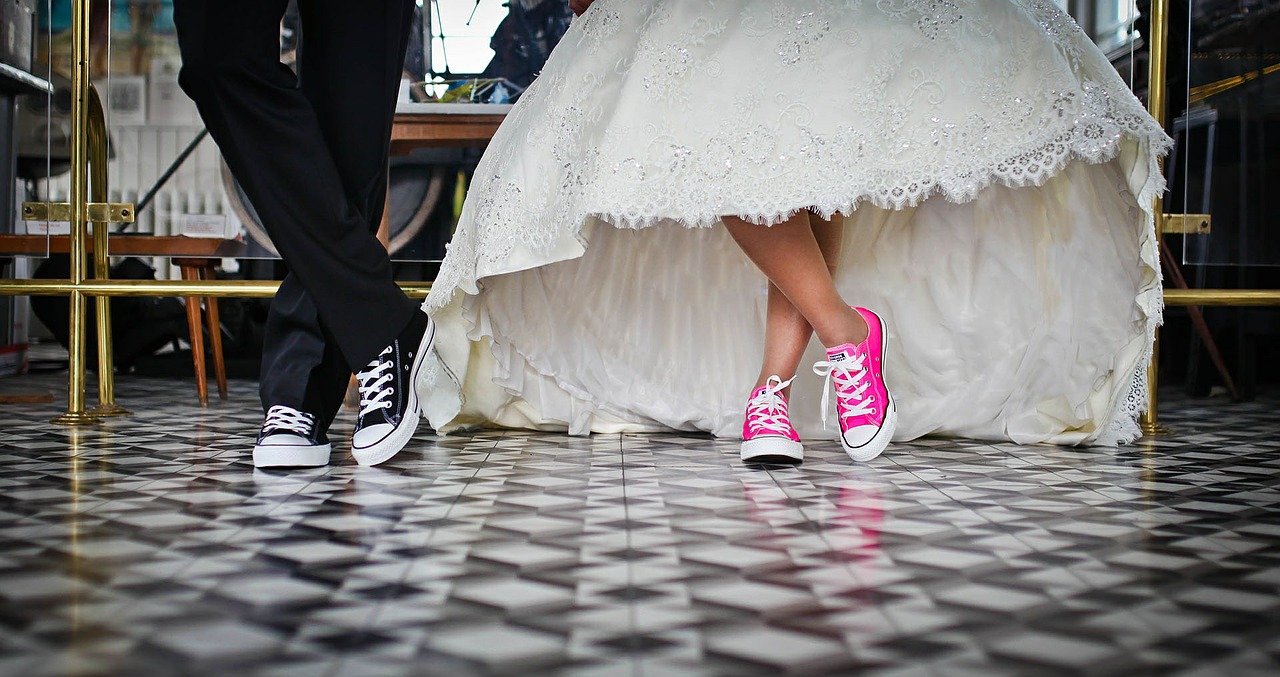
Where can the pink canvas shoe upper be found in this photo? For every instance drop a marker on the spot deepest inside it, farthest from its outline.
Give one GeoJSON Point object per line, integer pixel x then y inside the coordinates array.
{"type": "Point", "coordinates": [767, 412]}
{"type": "Point", "coordinates": [854, 372]}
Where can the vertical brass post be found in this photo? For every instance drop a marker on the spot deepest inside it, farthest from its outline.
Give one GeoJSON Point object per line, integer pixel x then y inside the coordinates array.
{"type": "Point", "coordinates": [76, 414]}
{"type": "Point", "coordinates": [98, 152]}
{"type": "Point", "coordinates": [1156, 80]}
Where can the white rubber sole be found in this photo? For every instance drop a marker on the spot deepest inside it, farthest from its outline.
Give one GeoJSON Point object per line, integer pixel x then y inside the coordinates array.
{"type": "Point", "coordinates": [877, 444]}
{"type": "Point", "coordinates": [765, 448]}
{"type": "Point", "coordinates": [291, 456]}
{"type": "Point", "coordinates": [391, 444]}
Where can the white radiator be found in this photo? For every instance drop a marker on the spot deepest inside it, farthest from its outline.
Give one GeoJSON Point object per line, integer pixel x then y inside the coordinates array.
{"type": "Point", "coordinates": [191, 202]}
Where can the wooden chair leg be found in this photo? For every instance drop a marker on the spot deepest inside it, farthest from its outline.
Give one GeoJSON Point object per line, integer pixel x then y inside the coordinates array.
{"type": "Point", "coordinates": [215, 332]}
{"type": "Point", "coordinates": [191, 273]}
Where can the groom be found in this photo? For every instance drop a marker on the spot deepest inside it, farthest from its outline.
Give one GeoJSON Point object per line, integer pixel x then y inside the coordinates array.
{"type": "Point", "coordinates": [311, 153]}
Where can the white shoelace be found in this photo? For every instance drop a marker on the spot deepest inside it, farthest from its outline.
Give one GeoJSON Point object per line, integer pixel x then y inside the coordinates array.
{"type": "Point", "coordinates": [373, 379]}
{"type": "Point", "coordinates": [768, 410]}
{"type": "Point", "coordinates": [280, 417]}
{"type": "Point", "coordinates": [850, 385]}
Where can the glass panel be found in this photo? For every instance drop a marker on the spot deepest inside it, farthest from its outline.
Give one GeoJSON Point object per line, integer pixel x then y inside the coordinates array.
{"type": "Point", "coordinates": [1113, 23]}
{"type": "Point", "coordinates": [28, 114]}
{"type": "Point", "coordinates": [149, 122]}
{"type": "Point", "coordinates": [164, 162]}
{"type": "Point", "coordinates": [31, 125]}
{"type": "Point", "coordinates": [1224, 102]}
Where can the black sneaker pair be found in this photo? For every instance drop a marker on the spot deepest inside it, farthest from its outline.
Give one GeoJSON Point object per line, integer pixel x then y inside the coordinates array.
{"type": "Point", "coordinates": [389, 410]}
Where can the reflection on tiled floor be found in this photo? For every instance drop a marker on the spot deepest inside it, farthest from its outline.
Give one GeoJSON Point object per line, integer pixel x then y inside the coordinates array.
{"type": "Point", "coordinates": [150, 545]}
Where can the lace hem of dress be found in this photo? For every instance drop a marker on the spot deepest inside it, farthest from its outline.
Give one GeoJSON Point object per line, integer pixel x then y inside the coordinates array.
{"type": "Point", "coordinates": [1125, 427]}
{"type": "Point", "coordinates": [1032, 167]}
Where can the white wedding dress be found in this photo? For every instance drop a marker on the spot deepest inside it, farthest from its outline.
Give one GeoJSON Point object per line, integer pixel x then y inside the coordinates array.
{"type": "Point", "coordinates": [995, 171]}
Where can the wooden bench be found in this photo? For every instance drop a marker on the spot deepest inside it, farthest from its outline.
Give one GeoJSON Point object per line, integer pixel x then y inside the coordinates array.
{"type": "Point", "coordinates": [196, 257]}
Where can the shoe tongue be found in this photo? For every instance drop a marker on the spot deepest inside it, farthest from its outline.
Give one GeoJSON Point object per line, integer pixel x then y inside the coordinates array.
{"type": "Point", "coordinates": [842, 353]}
{"type": "Point", "coordinates": [757, 396]}
{"type": "Point", "coordinates": [279, 433]}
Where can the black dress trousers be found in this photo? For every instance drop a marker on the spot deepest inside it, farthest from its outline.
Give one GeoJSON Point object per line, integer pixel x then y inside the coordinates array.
{"type": "Point", "coordinates": [311, 154]}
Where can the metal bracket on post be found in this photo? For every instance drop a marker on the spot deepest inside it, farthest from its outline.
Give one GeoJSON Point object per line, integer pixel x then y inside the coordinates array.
{"type": "Point", "coordinates": [99, 212]}
{"type": "Point", "coordinates": [1186, 224]}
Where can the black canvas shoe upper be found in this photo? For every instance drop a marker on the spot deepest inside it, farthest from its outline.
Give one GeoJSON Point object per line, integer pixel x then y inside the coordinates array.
{"type": "Point", "coordinates": [385, 383]}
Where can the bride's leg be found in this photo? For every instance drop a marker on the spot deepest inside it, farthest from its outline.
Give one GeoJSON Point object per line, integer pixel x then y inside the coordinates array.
{"type": "Point", "coordinates": [790, 256]}
{"type": "Point", "coordinates": [786, 331]}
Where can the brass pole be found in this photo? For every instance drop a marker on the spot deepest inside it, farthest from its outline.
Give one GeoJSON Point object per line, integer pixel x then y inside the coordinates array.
{"type": "Point", "coordinates": [76, 414]}
{"type": "Point", "coordinates": [101, 270]}
{"type": "Point", "coordinates": [1156, 81]}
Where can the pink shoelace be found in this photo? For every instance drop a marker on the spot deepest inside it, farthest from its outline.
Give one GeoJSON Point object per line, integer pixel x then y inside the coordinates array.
{"type": "Point", "coordinates": [851, 383]}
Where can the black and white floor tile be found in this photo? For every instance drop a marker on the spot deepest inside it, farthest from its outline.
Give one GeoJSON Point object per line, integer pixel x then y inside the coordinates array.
{"type": "Point", "coordinates": [150, 546]}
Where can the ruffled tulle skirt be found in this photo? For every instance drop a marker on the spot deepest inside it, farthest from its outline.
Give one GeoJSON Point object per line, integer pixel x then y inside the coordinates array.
{"type": "Point", "coordinates": [994, 172]}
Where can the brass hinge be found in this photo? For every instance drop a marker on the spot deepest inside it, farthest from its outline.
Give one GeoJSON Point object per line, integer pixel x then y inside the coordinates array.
{"type": "Point", "coordinates": [99, 212]}
{"type": "Point", "coordinates": [1186, 224]}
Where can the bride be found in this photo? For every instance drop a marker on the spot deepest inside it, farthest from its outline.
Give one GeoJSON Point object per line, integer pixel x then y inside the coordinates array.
{"type": "Point", "coordinates": [691, 190]}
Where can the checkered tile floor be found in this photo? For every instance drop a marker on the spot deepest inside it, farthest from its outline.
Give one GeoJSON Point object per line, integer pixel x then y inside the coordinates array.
{"type": "Point", "coordinates": [150, 546]}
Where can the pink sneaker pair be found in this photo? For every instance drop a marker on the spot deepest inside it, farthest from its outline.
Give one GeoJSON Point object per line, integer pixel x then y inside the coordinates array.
{"type": "Point", "coordinates": [864, 407]}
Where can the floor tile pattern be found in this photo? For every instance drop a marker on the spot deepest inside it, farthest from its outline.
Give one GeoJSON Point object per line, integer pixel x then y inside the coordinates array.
{"type": "Point", "coordinates": [150, 546]}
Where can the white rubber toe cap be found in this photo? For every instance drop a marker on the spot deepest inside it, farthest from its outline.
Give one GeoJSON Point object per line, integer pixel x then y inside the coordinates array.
{"type": "Point", "coordinates": [378, 443]}
{"type": "Point", "coordinates": [866, 442]}
{"type": "Point", "coordinates": [290, 451]}
{"type": "Point", "coordinates": [767, 447]}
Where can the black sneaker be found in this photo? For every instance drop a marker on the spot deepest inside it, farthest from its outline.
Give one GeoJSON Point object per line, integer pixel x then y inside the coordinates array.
{"type": "Point", "coordinates": [389, 396]}
{"type": "Point", "coordinates": [289, 439]}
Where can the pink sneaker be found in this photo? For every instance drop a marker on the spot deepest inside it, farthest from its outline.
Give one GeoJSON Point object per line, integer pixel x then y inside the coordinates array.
{"type": "Point", "coordinates": [864, 406]}
{"type": "Point", "coordinates": [767, 435]}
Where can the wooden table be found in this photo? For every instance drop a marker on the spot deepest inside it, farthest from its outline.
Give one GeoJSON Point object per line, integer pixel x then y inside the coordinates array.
{"type": "Point", "coordinates": [441, 125]}
{"type": "Point", "coordinates": [196, 257]}
{"type": "Point", "coordinates": [445, 125]}
{"type": "Point", "coordinates": [125, 245]}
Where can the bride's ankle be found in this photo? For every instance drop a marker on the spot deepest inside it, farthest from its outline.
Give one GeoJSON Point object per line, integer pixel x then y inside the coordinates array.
{"type": "Point", "coordinates": [849, 328]}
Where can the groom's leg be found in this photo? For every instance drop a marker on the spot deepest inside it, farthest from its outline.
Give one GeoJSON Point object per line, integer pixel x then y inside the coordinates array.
{"type": "Point", "coordinates": [349, 67]}
{"type": "Point", "coordinates": [272, 138]}
{"type": "Point", "coordinates": [301, 364]}
{"type": "Point", "coordinates": [350, 64]}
